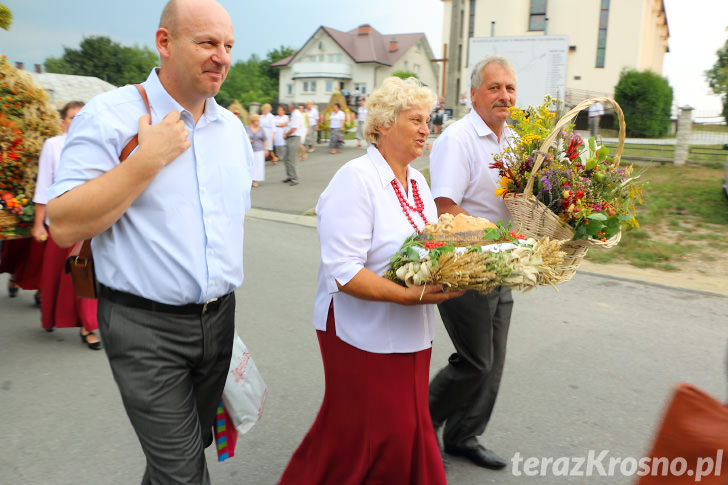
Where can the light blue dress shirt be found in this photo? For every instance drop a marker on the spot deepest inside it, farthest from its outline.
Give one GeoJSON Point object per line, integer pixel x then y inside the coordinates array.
{"type": "Point", "coordinates": [181, 240]}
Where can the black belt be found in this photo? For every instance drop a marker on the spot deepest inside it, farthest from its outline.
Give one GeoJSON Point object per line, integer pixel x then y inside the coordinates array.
{"type": "Point", "coordinates": [134, 301]}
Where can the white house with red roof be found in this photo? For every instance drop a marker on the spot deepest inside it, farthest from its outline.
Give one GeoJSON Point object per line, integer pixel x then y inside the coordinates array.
{"type": "Point", "coordinates": [332, 60]}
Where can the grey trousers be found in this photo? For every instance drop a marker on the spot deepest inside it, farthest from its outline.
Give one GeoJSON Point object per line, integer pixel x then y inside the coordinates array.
{"type": "Point", "coordinates": [463, 393]}
{"type": "Point", "coordinates": [293, 143]}
{"type": "Point", "coordinates": [170, 370]}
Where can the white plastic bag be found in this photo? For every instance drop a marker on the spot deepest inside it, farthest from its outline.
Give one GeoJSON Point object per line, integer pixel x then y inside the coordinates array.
{"type": "Point", "coordinates": [245, 392]}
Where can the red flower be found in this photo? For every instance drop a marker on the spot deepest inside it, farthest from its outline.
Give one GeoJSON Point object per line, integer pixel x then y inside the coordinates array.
{"type": "Point", "coordinates": [433, 245]}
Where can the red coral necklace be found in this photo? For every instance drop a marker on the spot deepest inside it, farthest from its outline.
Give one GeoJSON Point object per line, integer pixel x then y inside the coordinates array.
{"type": "Point", "coordinates": [419, 207]}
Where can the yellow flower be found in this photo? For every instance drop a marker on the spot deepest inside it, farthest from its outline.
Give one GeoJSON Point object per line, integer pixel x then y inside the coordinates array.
{"type": "Point", "coordinates": [503, 183]}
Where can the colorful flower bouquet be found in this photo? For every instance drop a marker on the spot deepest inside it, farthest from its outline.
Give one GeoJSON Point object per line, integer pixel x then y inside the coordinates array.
{"type": "Point", "coordinates": [479, 260]}
{"type": "Point", "coordinates": [556, 184]}
{"type": "Point", "coordinates": [576, 180]}
{"type": "Point", "coordinates": [26, 120]}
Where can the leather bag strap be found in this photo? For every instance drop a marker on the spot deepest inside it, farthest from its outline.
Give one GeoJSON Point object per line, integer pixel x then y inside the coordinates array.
{"type": "Point", "coordinates": [84, 254]}
{"type": "Point", "coordinates": [135, 141]}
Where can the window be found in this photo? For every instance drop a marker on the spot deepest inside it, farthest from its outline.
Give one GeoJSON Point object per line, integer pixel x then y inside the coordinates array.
{"type": "Point", "coordinates": [329, 86]}
{"type": "Point", "coordinates": [335, 57]}
{"type": "Point", "coordinates": [290, 89]}
{"type": "Point", "coordinates": [471, 23]}
{"type": "Point", "coordinates": [362, 87]}
{"type": "Point", "coordinates": [406, 66]}
{"type": "Point", "coordinates": [309, 86]}
{"type": "Point", "coordinates": [416, 69]}
{"type": "Point", "coordinates": [537, 15]}
{"type": "Point", "coordinates": [602, 35]}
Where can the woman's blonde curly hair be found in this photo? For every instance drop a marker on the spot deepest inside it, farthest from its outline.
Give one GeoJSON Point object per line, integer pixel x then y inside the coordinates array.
{"type": "Point", "coordinates": [394, 96]}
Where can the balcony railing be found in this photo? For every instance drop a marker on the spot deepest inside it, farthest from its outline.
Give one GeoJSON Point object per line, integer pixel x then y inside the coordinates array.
{"type": "Point", "coordinates": [321, 69]}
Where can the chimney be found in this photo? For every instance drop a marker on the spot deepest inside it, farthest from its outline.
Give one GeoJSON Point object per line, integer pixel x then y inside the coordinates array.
{"type": "Point", "coordinates": [393, 45]}
{"type": "Point", "coordinates": [19, 65]}
{"type": "Point", "coordinates": [39, 68]}
{"type": "Point", "coordinates": [364, 29]}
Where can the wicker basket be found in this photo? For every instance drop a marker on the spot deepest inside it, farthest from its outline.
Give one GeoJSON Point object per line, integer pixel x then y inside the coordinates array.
{"type": "Point", "coordinates": [533, 219]}
{"type": "Point", "coordinates": [9, 227]}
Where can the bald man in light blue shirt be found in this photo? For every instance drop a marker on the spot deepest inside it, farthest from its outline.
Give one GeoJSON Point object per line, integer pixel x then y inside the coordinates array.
{"type": "Point", "coordinates": [167, 228]}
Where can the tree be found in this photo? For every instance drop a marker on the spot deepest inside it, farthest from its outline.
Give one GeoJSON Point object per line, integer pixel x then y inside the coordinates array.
{"type": "Point", "coordinates": [646, 100]}
{"type": "Point", "coordinates": [108, 60]}
{"type": "Point", "coordinates": [253, 80]}
{"type": "Point", "coordinates": [6, 17]}
{"type": "Point", "coordinates": [717, 77]}
{"type": "Point", "coordinates": [405, 74]}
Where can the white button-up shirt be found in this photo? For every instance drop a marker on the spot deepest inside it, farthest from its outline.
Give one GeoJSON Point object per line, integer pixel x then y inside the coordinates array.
{"type": "Point", "coordinates": [48, 161]}
{"type": "Point", "coordinates": [362, 225]}
{"type": "Point", "coordinates": [297, 123]}
{"type": "Point", "coordinates": [460, 167]}
{"type": "Point", "coordinates": [181, 240]}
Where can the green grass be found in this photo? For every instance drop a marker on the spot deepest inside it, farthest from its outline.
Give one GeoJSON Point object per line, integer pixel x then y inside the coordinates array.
{"type": "Point", "coordinates": [684, 213]}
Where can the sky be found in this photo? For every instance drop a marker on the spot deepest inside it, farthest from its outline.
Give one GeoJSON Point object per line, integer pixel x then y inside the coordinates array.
{"type": "Point", "coordinates": [42, 28]}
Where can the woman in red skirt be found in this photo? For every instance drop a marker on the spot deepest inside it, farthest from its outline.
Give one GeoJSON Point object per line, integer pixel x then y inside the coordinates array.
{"type": "Point", "coordinates": [375, 336]}
{"type": "Point", "coordinates": [23, 259]}
{"type": "Point", "coordinates": [60, 307]}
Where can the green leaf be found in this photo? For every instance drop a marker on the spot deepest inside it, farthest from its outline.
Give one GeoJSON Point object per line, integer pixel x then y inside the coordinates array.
{"type": "Point", "coordinates": [602, 154]}
{"type": "Point", "coordinates": [410, 253]}
{"type": "Point", "coordinates": [597, 216]}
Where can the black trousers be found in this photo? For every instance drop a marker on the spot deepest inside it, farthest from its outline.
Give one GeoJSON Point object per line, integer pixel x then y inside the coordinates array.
{"type": "Point", "coordinates": [463, 393]}
{"type": "Point", "coordinates": [170, 370]}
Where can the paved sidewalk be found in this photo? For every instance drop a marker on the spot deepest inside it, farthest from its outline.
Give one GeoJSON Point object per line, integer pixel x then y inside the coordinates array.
{"type": "Point", "coordinates": [589, 366]}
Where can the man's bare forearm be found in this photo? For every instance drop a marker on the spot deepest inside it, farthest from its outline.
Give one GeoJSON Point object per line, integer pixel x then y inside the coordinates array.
{"type": "Point", "coordinates": [93, 207]}
{"type": "Point", "coordinates": [446, 205]}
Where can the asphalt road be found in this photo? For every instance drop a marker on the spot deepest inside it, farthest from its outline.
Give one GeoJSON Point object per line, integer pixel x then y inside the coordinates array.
{"type": "Point", "coordinates": [589, 368]}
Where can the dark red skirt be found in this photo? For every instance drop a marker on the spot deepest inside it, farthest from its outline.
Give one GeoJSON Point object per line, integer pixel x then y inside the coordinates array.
{"type": "Point", "coordinates": [59, 305]}
{"type": "Point", "coordinates": [23, 259]}
{"type": "Point", "coordinates": [374, 423]}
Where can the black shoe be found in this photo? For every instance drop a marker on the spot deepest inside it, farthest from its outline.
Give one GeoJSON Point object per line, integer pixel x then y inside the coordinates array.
{"type": "Point", "coordinates": [12, 288]}
{"type": "Point", "coordinates": [286, 180]}
{"type": "Point", "coordinates": [37, 298]}
{"type": "Point", "coordinates": [91, 345]}
{"type": "Point", "coordinates": [479, 455]}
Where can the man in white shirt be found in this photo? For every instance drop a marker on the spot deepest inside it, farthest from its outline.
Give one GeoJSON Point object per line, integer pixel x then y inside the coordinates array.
{"type": "Point", "coordinates": [313, 117]}
{"type": "Point", "coordinates": [294, 133]}
{"type": "Point", "coordinates": [361, 117]}
{"type": "Point", "coordinates": [596, 111]}
{"type": "Point", "coordinates": [463, 393]}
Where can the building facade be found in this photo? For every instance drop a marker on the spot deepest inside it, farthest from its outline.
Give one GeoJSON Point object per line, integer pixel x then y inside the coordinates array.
{"type": "Point", "coordinates": [605, 37]}
{"type": "Point", "coordinates": [332, 60]}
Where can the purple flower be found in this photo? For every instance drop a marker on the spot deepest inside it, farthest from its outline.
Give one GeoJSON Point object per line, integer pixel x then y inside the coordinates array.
{"type": "Point", "coordinates": [546, 183]}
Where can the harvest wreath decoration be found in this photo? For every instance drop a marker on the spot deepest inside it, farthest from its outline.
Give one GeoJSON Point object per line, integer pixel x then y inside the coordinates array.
{"type": "Point", "coordinates": [26, 120]}
{"type": "Point", "coordinates": [470, 253]}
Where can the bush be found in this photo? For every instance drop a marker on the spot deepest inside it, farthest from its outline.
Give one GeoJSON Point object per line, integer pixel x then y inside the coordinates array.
{"type": "Point", "coordinates": [646, 99]}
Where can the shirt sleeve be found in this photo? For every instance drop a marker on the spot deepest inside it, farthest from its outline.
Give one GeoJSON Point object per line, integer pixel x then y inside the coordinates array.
{"type": "Point", "coordinates": [345, 225]}
{"type": "Point", "coordinates": [45, 173]}
{"type": "Point", "coordinates": [449, 168]}
{"type": "Point", "coordinates": [89, 152]}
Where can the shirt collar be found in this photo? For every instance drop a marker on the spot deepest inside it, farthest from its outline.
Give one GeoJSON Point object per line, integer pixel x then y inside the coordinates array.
{"type": "Point", "coordinates": [481, 128]}
{"type": "Point", "coordinates": [163, 102]}
{"type": "Point", "coordinates": [385, 172]}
